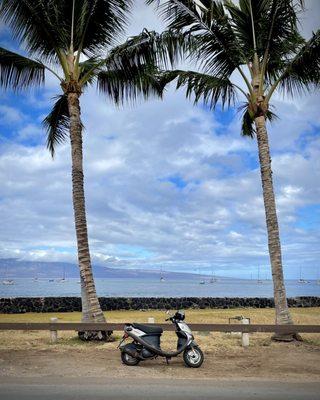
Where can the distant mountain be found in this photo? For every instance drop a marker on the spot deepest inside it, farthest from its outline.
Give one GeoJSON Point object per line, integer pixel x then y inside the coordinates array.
{"type": "Point", "coordinates": [14, 268]}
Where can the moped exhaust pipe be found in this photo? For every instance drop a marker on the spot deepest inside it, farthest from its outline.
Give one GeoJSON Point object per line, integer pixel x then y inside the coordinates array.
{"type": "Point", "coordinates": [132, 353]}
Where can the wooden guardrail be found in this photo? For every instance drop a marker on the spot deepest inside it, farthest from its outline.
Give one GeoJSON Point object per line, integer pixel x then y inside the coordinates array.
{"type": "Point", "coordinates": [88, 326]}
{"type": "Point", "coordinates": [244, 329]}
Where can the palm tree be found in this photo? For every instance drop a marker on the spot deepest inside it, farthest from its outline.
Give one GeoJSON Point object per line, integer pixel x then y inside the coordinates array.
{"type": "Point", "coordinates": [76, 41]}
{"type": "Point", "coordinates": [260, 41]}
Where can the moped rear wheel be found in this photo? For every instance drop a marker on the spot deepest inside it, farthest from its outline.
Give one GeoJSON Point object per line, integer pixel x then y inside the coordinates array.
{"type": "Point", "coordinates": [129, 360]}
{"type": "Point", "coordinates": [193, 357]}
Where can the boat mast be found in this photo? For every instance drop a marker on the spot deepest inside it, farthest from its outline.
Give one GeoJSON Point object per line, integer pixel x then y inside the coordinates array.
{"type": "Point", "coordinates": [300, 274]}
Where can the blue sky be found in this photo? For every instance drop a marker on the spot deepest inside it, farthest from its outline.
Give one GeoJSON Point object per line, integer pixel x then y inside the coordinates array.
{"type": "Point", "coordinates": [167, 184]}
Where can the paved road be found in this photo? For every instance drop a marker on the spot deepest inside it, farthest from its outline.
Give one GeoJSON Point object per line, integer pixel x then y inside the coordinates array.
{"type": "Point", "coordinates": [120, 389]}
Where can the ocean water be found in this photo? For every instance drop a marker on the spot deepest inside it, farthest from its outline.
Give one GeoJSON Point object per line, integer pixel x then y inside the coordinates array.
{"type": "Point", "coordinates": [113, 287]}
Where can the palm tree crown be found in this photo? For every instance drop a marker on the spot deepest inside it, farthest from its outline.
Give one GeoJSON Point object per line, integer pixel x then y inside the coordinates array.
{"type": "Point", "coordinates": [257, 39]}
{"type": "Point", "coordinates": [77, 41]}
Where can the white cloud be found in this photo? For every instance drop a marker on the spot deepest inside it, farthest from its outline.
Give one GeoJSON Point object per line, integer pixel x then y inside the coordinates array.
{"type": "Point", "coordinates": [30, 131]}
{"type": "Point", "coordinates": [10, 115]}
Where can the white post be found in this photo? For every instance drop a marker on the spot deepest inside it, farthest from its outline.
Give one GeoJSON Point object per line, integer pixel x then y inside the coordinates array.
{"type": "Point", "coordinates": [53, 334]}
{"type": "Point", "coordinates": [245, 336]}
{"type": "Point", "coordinates": [150, 320]}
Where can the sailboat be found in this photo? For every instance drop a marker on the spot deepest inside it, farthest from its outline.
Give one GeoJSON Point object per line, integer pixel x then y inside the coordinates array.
{"type": "Point", "coordinates": [259, 280]}
{"type": "Point", "coordinates": [63, 279]}
{"type": "Point", "coordinates": [300, 279]}
{"type": "Point", "coordinates": [7, 281]}
{"type": "Point", "coordinates": [213, 278]}
{"type": "Point", "coordinates": [202, 282]}
{"type": "Point", "coordinates": [161, 276]}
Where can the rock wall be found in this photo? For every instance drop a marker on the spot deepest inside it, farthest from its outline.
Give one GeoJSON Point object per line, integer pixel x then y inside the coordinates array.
{"type": "Point", "coordinates": [64, 304]}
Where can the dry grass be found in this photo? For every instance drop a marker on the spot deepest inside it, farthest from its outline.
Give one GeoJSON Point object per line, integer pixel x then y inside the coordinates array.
{"type": "Point", "coordinates": [258, 316]}
{"type": "Point", "coordinates": [216, 342]}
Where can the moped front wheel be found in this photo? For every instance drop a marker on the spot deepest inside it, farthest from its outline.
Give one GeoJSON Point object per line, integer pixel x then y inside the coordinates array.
{"type": "Point", "coordinates": [129, 360]}
{"type": "Point", "coordinates": [193, 357]}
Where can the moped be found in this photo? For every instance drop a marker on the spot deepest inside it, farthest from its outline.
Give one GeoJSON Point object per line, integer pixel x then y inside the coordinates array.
{"type": "Point", "coordinates": [146, 343]}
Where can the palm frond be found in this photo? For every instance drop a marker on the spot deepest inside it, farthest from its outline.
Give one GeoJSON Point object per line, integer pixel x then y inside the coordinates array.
{"type": "Point", "coordinates": [302, 72]}
{"type": "Point", "coordinates": [276, 30]}
{"type": "Point", "coordinates": [217, 47]}
{"type": "Point", "coordinates": [242, 24]}
{"type": "Point", "coordinates": [271, 116]}
{"type": "Point", "coordinates": [38, 24]}
{"type": "Point", "coordinates": [57, 123]}
{"type": "Point", "coordinates": [126, 85]}
{"type": "Point", "coordinates": [18, 72]}
{"type": "Point", "coordinates": [279, 35]}
{"type": "Point", "coordinates": [88, 70]}
{"type": "Point", "coordinates": [202, 87]}
{"type": "Point", "coordinates": [278, 58]}
{"type": "Point", "coordinates": [274, 20]}
{"type": "Point", "coordinates": [147, 49]}
{"type": "Point", "coordinates": [247, 125]}
{"type": "Point", "coordinates": [45, 25]}
{"type": "Point", "coordinates": [152, 48]}
{"type": "Point", "coordinates": [98, 23]}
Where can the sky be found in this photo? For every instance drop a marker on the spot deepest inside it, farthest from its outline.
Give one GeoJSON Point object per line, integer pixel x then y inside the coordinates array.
{"type": "Point", "coordinates": [168, 184]}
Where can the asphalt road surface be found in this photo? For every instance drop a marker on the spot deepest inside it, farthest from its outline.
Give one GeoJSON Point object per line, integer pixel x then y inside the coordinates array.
{"type": "Point", "coordinates": [156, 389]}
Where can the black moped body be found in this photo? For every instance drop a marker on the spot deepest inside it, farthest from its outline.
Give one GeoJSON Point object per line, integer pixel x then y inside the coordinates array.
{"type": "Point", "coordinates": [146, 343]}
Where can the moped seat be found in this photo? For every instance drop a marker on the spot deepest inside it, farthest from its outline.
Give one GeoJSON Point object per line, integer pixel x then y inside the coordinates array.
{"type": "Point", "coordinates": [147, 328]}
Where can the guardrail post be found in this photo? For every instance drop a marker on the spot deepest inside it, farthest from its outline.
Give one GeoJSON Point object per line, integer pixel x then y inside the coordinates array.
{"type": "Point", "coordinates": [150, 320]}
{"type": "Point", "coordinates": [245, 336]}
{"type": "Point", "coordinates": [53, 333]}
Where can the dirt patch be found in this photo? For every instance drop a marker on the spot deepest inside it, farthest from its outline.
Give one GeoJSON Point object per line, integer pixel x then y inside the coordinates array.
{"type": "Point", "coordinates": [278, 361]}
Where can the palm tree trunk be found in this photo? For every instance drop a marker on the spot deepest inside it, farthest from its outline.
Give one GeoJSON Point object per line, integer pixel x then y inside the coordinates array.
{"type": "Point", "coordinates": [280, 298]}
{"type": "Point", "coordinates": [91, 310]}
